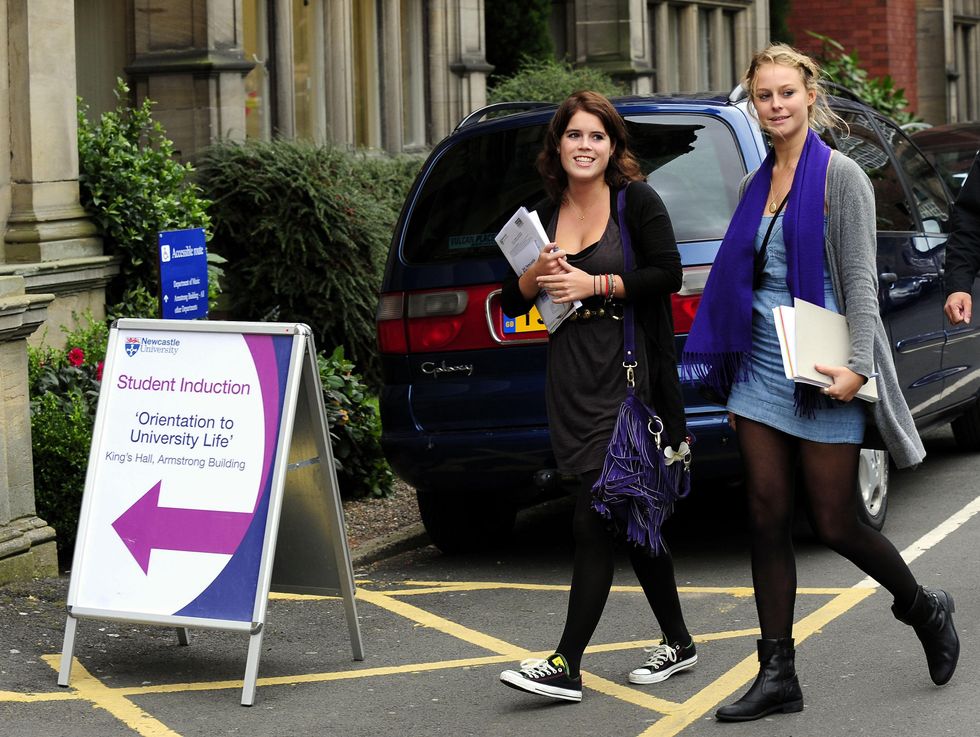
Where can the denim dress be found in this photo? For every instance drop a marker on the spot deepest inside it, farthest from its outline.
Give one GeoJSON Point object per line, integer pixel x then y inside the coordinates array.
{"type": "Point", "coordinates": [765, 394]}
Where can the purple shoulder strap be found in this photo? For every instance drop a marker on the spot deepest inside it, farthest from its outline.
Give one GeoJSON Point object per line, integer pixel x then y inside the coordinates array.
{"type": "Point", "coordinates": [629, 339]}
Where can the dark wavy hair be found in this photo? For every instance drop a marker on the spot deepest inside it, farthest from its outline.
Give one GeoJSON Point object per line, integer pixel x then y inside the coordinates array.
{"type": "Point", "coordinates": [623, 166]}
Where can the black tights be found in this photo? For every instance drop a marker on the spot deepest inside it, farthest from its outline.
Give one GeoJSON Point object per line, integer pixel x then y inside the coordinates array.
{"type": "Point", "coordinates": [592, 578]}
{"type": "Point", "coordinates": [829, 473]}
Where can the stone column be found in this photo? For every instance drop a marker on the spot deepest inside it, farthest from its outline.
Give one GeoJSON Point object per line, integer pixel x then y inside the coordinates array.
{"type": "Point", "coordinates": [338, 17]}
{"type": "Point", "coordinates": [48, 238]}
{"type": "Point", "coordinates": [189, 60]}
{"type": "Point", "coordinates": [390, 52]}
{"type": "Point", "coordinates": [46, 222]}
{"type": "Point", "coordinates": [458, 66]}
{"type": "Point", "coordinates": [27, 544]}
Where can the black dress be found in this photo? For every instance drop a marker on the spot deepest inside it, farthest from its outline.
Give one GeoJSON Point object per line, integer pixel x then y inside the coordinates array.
{"type": "Point", "coordinates": [586, 379]}
{"type": "Point", "coordinates": [648, 287]}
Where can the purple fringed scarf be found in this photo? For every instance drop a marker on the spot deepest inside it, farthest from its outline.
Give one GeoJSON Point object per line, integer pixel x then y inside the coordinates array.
{"type": "Point", "coordinates": [721, 336]}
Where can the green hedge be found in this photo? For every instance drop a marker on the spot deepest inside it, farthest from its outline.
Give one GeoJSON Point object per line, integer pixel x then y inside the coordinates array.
{"type": "Point", "coordinates": [305, 230]}
{"type": "Point", "coordinates": [552, 81]}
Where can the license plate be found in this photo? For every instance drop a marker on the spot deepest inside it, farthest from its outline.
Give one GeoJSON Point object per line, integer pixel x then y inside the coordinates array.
{"type": "Point", "coordinates": [529, 323]}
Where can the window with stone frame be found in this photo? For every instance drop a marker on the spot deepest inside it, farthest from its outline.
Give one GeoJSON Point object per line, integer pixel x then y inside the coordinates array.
{"type": "Point", "coordinates": [413, 69]}
{"type": "Point", "coordinates": [967, 60]}
{"type": "Point", "coordinates": [308, 70]}
{"type": "Point", "coordinates": [255, 42]}
{"type": "Point", "coordinates": [694, 45]}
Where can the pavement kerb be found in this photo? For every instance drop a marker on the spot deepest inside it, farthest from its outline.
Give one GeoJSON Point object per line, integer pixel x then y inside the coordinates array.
{"type": "Point", "coordinates": [407, 538]}
{"type": "Point", "coordinates": [414, 536]}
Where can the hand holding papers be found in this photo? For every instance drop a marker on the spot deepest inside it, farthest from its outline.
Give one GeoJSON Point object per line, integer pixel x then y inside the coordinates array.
{"type": "Point", "coordinates": [521, 241]}
{"type": "Point", "coordinates": [810, 335]}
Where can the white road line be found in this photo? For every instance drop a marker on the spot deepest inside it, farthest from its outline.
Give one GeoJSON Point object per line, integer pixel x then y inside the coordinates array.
{"type": "Point", "coordinates": [931, 538]}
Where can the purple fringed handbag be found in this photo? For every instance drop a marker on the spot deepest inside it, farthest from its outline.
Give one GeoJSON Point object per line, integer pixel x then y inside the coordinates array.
{"type": "Point", "coordinates": [642, 476]}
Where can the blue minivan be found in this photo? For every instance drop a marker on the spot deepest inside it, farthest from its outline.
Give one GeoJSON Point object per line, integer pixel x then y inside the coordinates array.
{"type": "Point", "coordinates": [462, 404]}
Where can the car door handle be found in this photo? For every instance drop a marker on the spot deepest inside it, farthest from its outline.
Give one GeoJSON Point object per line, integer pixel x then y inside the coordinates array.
{"type": "Point", "coordinates": [888, 277]}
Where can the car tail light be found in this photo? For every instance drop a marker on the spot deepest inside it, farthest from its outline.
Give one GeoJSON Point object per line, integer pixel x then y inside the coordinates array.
{"type": "Point", "coordinates": [684, 304]}
{"type": "Point", "coordinates": [391, 323]}
{"type": "Point", "coordinates": [437, 320]}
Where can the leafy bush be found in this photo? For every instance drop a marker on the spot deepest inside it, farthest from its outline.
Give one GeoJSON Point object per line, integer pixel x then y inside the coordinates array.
{"type": "Point", "coordinates": [552, 81]}
{"type": "Point", "coordinates": [517, 29]}
{"type": "Point", "coordinates": [306, 230]}
{"type": "Point", "coordinates": [133, 187]}
{"type": "Point", "coordinates": [879, 92]}
{"type": "Point", "coordinates": [355, 428]}
{"type": "Point", "coordinates": [64, 390]}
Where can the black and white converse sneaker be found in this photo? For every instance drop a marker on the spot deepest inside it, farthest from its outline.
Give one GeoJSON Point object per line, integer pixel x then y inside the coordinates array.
{"type": "Point", "coordinates": [546, 677]}
{"type": "Point", "coordinates": [663, 661]}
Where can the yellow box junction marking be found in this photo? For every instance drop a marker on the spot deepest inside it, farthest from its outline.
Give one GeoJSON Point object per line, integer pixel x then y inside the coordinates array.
{"type": "Point", "coordinates": [675, 716]}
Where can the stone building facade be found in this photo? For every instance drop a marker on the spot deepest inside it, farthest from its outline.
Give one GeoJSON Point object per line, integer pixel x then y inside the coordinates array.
{"type": "Point", "coordinates": [931, 48]}
{"type": "Point", "coordinates": [660, 46]}
{"type": "Point", "coordinates": [392, 75]}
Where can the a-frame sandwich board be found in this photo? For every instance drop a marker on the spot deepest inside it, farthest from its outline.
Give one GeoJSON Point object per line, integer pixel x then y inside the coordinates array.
{"type": "Point", "coordinates": [209, 438]}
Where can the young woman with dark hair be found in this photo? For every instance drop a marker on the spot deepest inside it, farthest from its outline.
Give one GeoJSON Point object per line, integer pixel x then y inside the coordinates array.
{"type": "Point", "coordinates": [585, 162]}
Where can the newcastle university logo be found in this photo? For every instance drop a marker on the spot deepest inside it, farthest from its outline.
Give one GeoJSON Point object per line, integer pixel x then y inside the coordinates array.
{"type": "Point", "coordinates": [132, 346]}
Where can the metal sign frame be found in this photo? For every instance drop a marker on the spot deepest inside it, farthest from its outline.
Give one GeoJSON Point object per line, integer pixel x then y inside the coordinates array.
{"type": "Point", "coordinates": [304, 483]}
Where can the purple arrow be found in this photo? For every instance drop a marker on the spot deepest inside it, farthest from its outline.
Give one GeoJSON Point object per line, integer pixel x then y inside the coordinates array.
{"type": "Point", "coordinates": [146, 525]}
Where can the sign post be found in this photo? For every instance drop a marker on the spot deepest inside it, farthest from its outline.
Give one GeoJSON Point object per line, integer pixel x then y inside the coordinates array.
{"type": "Point", "coordinates": [183, 274]}
{"type": "Point", "coordinates": [208, 436]}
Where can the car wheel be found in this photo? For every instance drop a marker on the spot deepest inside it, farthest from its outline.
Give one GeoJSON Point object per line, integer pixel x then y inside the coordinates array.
{"type": "Point", "coordinates": [966, 429]}
{"type": "Point", "coordinates": [462, 520]}
{"type": "Point", "coordinates": [872, 487]}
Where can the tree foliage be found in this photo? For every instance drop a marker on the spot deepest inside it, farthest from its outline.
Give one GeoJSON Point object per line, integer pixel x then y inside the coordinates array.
{"type": "Point", "coordinates": [515, 30]}
{"type": "Point", "coordinates": [133, 186]}
{"type": "Point", "coordinates": [844, 69]}
{"type": "Point", "coordinates": [552, 81]}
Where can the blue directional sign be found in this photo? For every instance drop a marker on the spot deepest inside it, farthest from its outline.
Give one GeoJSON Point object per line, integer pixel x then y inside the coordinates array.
{"type": "Point", "coordinates": [183, 274]}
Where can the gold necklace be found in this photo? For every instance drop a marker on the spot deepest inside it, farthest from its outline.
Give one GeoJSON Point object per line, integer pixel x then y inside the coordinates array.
{"type": "Point", "coordinates": [773, 205]}
{"type": "Point", "coordinates": [581, 214]}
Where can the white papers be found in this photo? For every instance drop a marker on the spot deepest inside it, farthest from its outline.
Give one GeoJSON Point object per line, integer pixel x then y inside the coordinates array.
{"type": "Point", "coordinates": [521, 240]}
{"type": "Point", "coordinates": [809, 335]}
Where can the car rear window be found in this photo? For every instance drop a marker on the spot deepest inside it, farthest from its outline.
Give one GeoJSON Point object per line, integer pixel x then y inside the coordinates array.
{"type": "Point", "coordinates": [694, 164]}
{"type": "Point", "coordinates": [471, 192]}
{"type": "Point", "coordinates": [692, 161]}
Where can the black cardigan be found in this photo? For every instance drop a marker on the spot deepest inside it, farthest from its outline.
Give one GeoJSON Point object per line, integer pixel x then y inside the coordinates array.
{"type": "Point", "coordinates": [963, 246]}
{"type": "Point", "coordinates": [648, 287]}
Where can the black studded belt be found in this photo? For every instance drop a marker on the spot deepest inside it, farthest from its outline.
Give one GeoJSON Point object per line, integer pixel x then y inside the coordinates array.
{"type": "Point", "coordinates": [612, 310]}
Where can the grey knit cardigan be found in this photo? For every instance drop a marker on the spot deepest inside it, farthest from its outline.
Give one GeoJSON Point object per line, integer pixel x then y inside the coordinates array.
{"type": "Point", "coordinates": [850, 248]}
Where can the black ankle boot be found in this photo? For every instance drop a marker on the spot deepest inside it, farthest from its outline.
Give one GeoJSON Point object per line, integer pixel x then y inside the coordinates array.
{"type": "Point", "coordinates": [776, 688]}
{"type": "Point", "coordinates": [931, 616]}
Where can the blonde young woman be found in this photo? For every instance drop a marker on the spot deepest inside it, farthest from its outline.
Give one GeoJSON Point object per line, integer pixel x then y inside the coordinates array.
{"type": "Point", "coordinates": [821, 248]}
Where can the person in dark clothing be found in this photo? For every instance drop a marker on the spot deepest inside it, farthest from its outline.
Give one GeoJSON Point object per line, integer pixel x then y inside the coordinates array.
{"type": "Point", "coordinates": [584, 163]}
{"type": "Point", "coordinates": [963, 249]}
